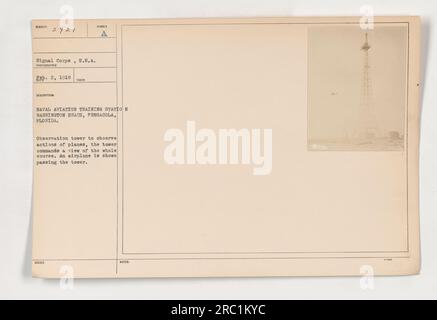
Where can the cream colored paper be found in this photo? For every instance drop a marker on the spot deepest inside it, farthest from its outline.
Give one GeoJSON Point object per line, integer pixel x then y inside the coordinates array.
{"type": "Point", "coordinates": [342, 194]}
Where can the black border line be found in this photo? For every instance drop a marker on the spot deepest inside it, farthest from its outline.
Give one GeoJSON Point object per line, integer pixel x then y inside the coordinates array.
{"type": "Point", "coordinates": [116, 98]}
{"type": "Point", "coordinates": [257, 23]}
{"type": "Point", "coordinates": [218, 258]}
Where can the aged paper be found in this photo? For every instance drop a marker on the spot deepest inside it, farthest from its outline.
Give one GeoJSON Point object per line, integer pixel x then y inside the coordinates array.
{"type": "Point", "coordinates": [226, 147]}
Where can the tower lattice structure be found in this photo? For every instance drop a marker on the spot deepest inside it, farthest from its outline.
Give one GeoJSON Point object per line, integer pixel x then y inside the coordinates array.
{"type": "Point", "coordinates": [367, 123]}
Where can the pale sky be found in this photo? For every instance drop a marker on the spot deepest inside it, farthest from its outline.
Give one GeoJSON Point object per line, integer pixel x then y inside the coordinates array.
{"type": "Point", "coordinates": [335, 77]}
